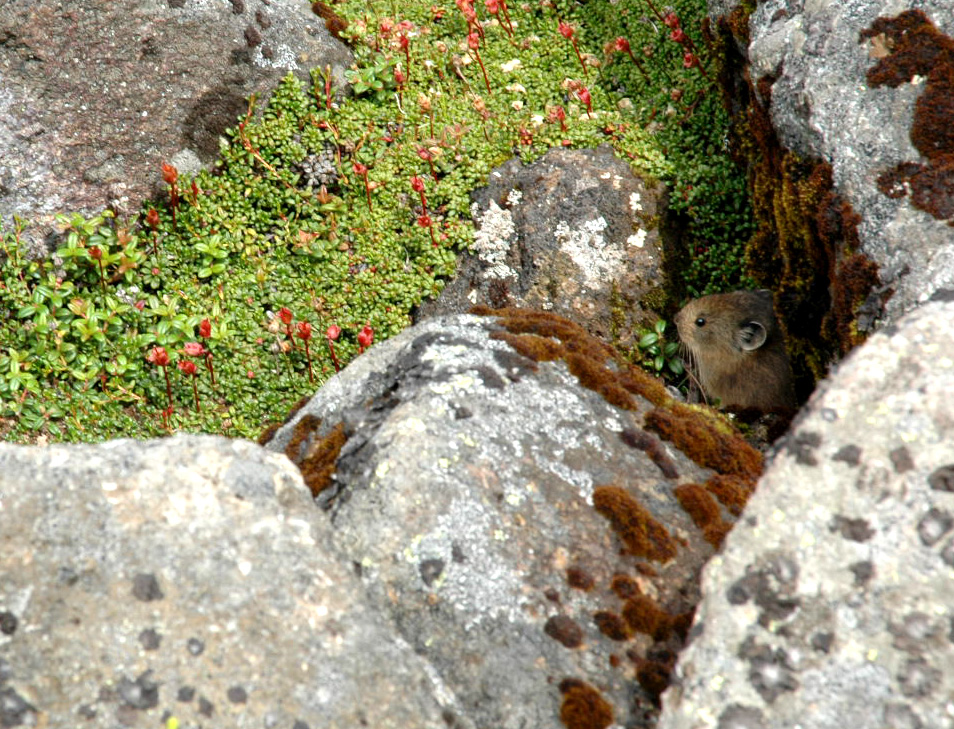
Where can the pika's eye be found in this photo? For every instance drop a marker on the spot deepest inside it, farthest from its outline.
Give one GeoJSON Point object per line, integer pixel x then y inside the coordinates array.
{"type": "Point", "coordinates": [701, 322]}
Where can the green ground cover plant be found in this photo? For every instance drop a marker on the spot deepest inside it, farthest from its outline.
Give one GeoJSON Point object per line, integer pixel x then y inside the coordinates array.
{"type": "Point", "coordinates": [328, 218]}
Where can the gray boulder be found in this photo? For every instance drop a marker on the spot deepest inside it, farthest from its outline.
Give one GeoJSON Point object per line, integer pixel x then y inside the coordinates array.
{"type": "Point", "coordinates": [575, 233]}
{"type": "Point", "coordinates": [96, 94]}
{"type": "Point", "coordinates": [192, 578]}
{"type": "Point", "coordinates": [825, 105]}
{"type": "Point", "coordinates": [502, 537]}
{"type": "Point", "coordinates": [464, 478]}
{"type": "Point", "coordinates": [831, 603]}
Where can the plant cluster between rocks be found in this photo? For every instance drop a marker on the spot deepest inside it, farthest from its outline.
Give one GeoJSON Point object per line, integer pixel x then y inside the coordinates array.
{"type": "Point", "coordinates": [329, 218]}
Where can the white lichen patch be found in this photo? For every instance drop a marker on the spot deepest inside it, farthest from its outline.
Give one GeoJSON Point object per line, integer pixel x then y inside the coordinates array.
{"type": "Point", "coordinates": [635, 204]}
{"type": "Point", "coordinates": [493, 239]}
{"type": "Point", "coordinates": [637, 239]}
{"type": "Point", "coordinates": [598, 262]}
{"type": "Point", "coordinates": [514, 197]}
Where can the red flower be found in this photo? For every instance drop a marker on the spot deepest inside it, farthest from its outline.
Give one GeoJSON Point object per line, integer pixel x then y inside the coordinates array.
{"type": "Point", "coordinates": [333, 332]}
{"type": "Point", "coordinates": [399, 79]}
{"type": "Point", "coordinates": [96, 253]}
{"type": "Point", "coordinates": [473, 41]}
{"type": "Point", "coordinates": [671, 20]}
{"type": "Point", "coordinates": [158, 356]}
{"type": "Point", "coordinates": [169, 174]}
{"type": "Point", "coordinates": [360, 169]}
{"type": "Point", "coordinates": [566, 30]}
{"type": "Point", "coordinates": [417, 184]}
{"type": "Point", "coordinates": [621, 45]}
{"type": "Point", "coordinates": [584, 95]}
{"type": "Point", "coordinates": [425, 222]}
{"type": "Point", "coordinates": [152, 218]}
{"type": "Point", "coordinates": [188, 367]}
{"type": "Point", "coordinates": [304, 330]}
{"type": "Point", "coordinates": [193, 349]}
{"type": "Point", "coordinates": [678, 35]}
{"type": "Point", "coordinates": [689, 60]}
{"type": "Point", "coordinates": [285, 315]}
{"type": "Point", "coordinates": [403, 42]}
{"type": "Point", "coordinates": [493, 7]}
{"type": "Point", "coordinates": [205, 329]}
{"type": "Point", "coordinates": [365, 337]}
{"type": "Point", "coordinates": [423, 152]}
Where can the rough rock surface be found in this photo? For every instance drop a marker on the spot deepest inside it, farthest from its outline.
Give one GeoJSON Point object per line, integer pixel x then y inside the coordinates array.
{"type": "Point", "coordinates": [824, 107]}
{"type": "Point", "coordinates": [460, 573]}
{"type": "Point", "coordinates": [832, 600]}
{"type": "Point", "coordinates": [575, 233]}
{"type": "Point", "coordinates": [463, 491]}
{"type": "Point", "coordinates": [96, 94]}
{"type": "Point", "coordinates": [189, 577]}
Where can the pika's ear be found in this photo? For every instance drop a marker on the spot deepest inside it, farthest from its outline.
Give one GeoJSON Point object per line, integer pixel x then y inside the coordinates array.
{"type": "Point", "coordinates": [750, 336]}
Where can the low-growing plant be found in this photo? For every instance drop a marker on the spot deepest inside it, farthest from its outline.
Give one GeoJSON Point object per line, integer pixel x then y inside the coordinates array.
{"type": "Point", "coordinates": [308, 211]}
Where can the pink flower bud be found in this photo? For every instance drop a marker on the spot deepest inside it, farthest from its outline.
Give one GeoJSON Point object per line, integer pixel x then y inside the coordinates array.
{"type": "Point", "coordinates": [333, 332]}
{"type": "Point", "coordinates": [566, 30]}
{"type": "Point", "coordinates": [304, 330]}
{"type": "Point", "coordinates": [188, 367]}
{"type": "Point", "coordinates": [285, 315]}
{"type": "Point", "coordinates": [205, 329]}
{"type": "Point", "coordinates": [365, 337]}
{"type": "Point", "coordinates": [193, 349]}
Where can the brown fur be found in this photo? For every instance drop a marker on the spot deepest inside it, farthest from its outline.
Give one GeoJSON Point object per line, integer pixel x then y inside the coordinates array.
{"type": "Point", "coordinates": [723, 334]}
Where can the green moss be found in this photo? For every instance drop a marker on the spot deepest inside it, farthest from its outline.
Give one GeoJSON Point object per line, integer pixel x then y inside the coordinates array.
{"type": "Point", "coordinates": [310, 208]}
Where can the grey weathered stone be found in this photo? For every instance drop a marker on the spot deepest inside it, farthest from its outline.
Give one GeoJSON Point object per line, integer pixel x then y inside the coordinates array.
{"type": "Point", "coordinates": [96, 94]}
{"type": "Point", "coordinates": [575, 233]}
{"type": "Point", "coordinates": [832, 602]}
{"type": "Point", "coordinates": [463, 494]}
{"type": "Point", "coordinates": [823, 107]}
{"type": "Point", "coordinates": [189, 577]}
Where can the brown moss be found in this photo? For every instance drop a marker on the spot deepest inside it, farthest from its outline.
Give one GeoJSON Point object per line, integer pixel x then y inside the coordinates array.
{"type": "Point", "coordinates": [644, 616]}
{"type": "Point", "coordinates": [715, 534]}
{"type": "Point", "coordinates": [272, 428]}
{"type": "Point", "coordinates": [267, 434]}
{"type": "Point", "coordinates": [583, 706]}
{"type": "Point", "coordinates": [682, 623]}
{"type": "Point", "coordinates": [722, 451]}
{"type": "Point", "coordinates": [564, 630]}
{"type": "Point", "coordinates": [595, 376]}
{"type": "Point", "coordinates": [303, 430]}
{"type": "Point", "coordinates": [335, 24]}
{"type": "Point", "coordinates": [646, 570]}
{"type": "Point", "coordinates": [654, 678]}
{"type": "Point", "coordinates": [854, 279]}
{"type": "Point", "coordinates": [731, 491]}
{"type": "Point", "coordinates": [701, 507]}
{"type": "Point", "coordinates": [580, 579]}
{"type": "Point", "coordinates": [624, 586]}
{"type": "Point", "coordinates": [803, 228]}
{"type": "Point", "coordinates": [640, 533]}
{"type": "Point", "coordinates": [532, 334]}
{"type": "Point", "coordinates": [612, 625]}
{"type": "Point", "coordinates": [539, 349]}
{"type": "Point", "coordinates": [318, 466]}
{"type": "Point", "coordinates": [645, 385]}
{"type": "Point", "coordinates": [651, 447]}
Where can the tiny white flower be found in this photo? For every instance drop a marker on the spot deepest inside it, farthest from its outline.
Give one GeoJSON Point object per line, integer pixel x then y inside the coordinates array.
{"type": "Point", "coordinates": [516, 89]}
{"type": "Point", "coordinates": [517, 105]}
{"type": "Point", "coordinates": [511, 65]}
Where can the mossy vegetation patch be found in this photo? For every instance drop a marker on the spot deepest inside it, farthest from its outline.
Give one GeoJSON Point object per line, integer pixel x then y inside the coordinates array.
{"type": "Point", "coordinates": [333, 214]}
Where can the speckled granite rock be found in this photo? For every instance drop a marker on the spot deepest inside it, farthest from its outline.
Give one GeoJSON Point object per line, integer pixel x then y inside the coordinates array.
{"type": "Point", "coordinates": [824, 106]}
{"type": "Point", "coordinates": [96, 94]}
{"type": "Point", "coordinates": [463, 491]}
{"type": "Point", "coordinates": [189, 577]}
{"type": "Point", "coordinates": [832, 602]}
{"type": "Point", "coordinates": [576, 233]}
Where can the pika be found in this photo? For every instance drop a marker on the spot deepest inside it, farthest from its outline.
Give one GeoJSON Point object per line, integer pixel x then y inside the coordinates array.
{"type": "Point", "coordinates": [738, 351]}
